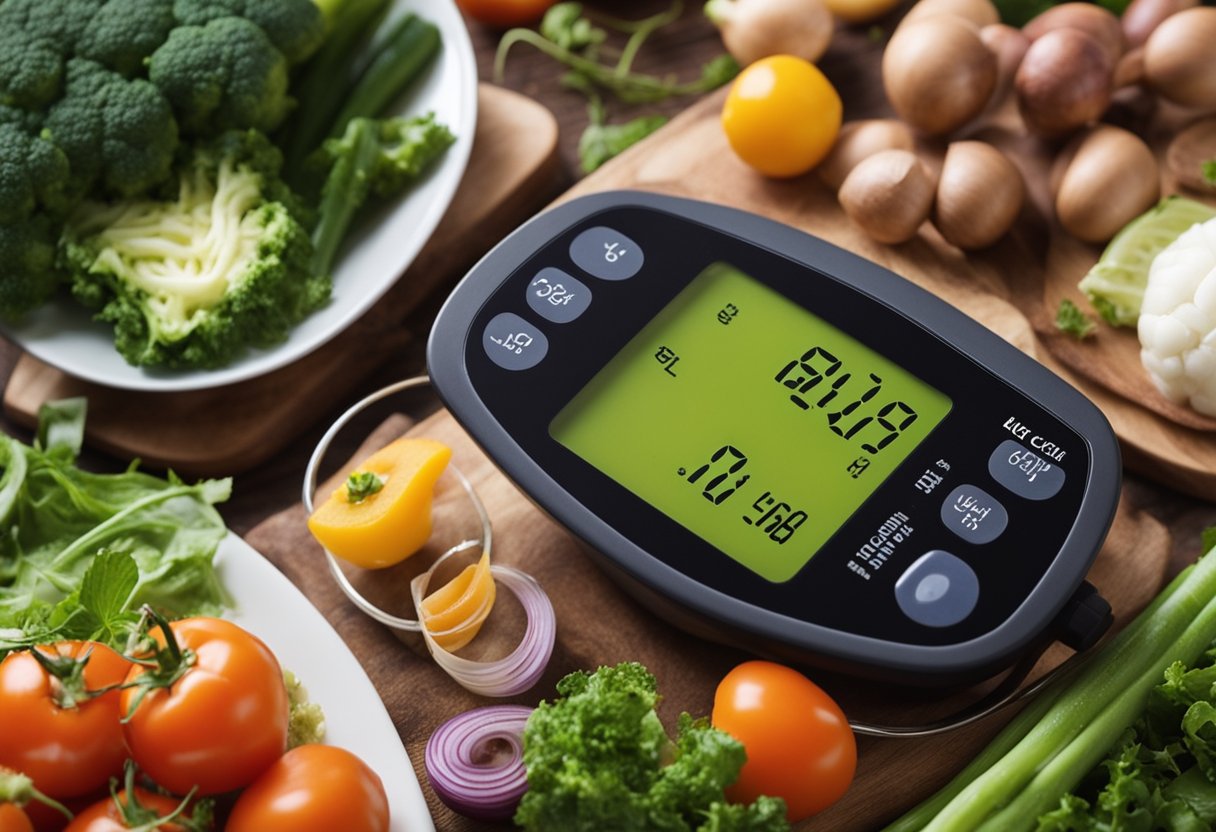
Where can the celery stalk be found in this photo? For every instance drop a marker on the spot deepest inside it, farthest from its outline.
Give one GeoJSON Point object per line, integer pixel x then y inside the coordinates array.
{"type": "Point", "coordinates": [1134, 659]}
{"type": "Point", "coordinates": [1065, 770]}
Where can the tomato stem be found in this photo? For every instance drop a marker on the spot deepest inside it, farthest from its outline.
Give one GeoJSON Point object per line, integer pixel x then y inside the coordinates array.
{"type": "Point", "coordinates": [19, 789]}
{"type": "Point", "coordinates": [137, 817]}
{"type": "Point", "coordinates": [167, 664]}
{"type": "Point", "coordinates": [67, 673]}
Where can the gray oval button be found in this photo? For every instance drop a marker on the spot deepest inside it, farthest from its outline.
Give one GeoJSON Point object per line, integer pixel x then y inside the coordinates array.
{"type": "Point", "coordinates": [938, 590]}
{"type": "Point", "coordinates": [512, 343]}
{"type": "Point", "coordinates": [1025, 472]}
{"type": "Point", "coordinates": [607, 254]}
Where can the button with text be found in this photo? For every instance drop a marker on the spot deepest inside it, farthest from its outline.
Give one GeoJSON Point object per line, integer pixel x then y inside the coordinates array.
{"type": "Point", "coordinates": [607, 254]}
{"type": "Point", "coordinates": [558, 297]}
{"type": "Point", "coordinates": [512, 343]}
{"type": "Point", "coordinates": [1025, 472]}
{"type": "Point", "coordinates": [974, 515]}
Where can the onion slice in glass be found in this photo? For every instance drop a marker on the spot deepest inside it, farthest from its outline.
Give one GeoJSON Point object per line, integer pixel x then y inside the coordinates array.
{"type": "Point", "coordinates": [522, 667]}
{"type": "Point", "coordinates": [475, 761]}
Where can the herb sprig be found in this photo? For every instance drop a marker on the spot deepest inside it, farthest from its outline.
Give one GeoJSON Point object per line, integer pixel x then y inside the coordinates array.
{"type": "Point", "coordinates": [595, 68]}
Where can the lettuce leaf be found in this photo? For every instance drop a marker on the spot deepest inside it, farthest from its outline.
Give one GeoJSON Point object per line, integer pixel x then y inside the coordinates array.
{"type": "Point", "coordinates": [57, 520]}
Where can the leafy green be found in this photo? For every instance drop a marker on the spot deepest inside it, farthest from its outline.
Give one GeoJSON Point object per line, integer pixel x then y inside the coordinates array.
{"type": "Point", "coordinates": [105, 594]}
{"type": "Point", "coordinates": [1070, 319]}
{"type": "Point", "coordinates": [600, 141]}
{"type": "Point", "coordinates": [579, 43]}
{"type": "Point", "coordinates": [1209, 171]}
{"type": "Point", "coordinates": [79, 550]}
{"type": "Point", "coordinates": [1162, 774]}
{"type": "Point", "coordinates": [599, 758]}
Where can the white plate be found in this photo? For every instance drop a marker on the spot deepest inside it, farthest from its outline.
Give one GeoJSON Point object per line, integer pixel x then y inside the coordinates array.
{"type": "Point", "coordinates": [61, 333]}
{"type": "Point", "coordinates": [269, 605]}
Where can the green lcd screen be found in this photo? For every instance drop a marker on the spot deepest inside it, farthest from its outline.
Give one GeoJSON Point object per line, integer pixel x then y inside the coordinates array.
{"type": "Point", "coordinates": [750, 421]}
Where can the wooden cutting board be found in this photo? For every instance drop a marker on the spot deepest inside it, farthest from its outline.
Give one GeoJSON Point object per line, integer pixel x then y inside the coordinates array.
{"type": "Point", "coordinates": [599, 624]}
{"type": "Point", "coordinates": [1013, 287]}
{"type": "Point", "coordinates": [513, 169]}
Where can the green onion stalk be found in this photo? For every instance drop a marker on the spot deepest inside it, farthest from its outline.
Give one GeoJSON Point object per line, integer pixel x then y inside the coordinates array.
{"type": "Point", "coordinates": [1045, 751]}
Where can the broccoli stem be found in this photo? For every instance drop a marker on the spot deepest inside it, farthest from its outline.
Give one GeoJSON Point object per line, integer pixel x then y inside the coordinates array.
{"type": "Point", "coordinates": [325, 80]}
{"type": "Point", "coordinates": [1079, 717]}
{"type": "Point", "coordinates": [346, 187]}
{"type": "Point", "coordinates": [406, 51]}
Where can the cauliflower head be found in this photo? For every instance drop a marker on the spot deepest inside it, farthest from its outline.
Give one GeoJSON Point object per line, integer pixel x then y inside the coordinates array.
{"type": "Point", "coordinates": [1177, 325]}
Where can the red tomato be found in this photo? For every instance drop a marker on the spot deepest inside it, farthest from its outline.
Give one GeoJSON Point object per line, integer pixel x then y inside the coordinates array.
{"type": "Point", "coordinates": [66, 751]}
{"type": "Point", "coordinates": [313, 788]}
{"type": "Point", "coordinates": [14, 819]}
{"type": "Point", "coordinates": [799, 743]}
{"type": "Point", "coordinates": [222, 723]}
{"type": "Point", "coordinates": [105, 816]}
{"type": "Point", "coordinates": [505, 13]}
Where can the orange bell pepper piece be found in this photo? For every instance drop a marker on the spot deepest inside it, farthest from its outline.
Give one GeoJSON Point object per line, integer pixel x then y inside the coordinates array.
{"type": "Point", "coordinates": [381, 514]}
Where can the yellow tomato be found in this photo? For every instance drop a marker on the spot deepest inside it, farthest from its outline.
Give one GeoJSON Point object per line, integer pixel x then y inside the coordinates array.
{"type": "Point", "coordinates": [392, 521]}
{"type": "Point", "coordinates": [782, 116]}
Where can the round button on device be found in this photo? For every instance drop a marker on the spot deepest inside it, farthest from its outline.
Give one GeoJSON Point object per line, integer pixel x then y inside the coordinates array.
{"type": "Point", "coordinates": [606, 253]}
{"type": "Point", "coordinates": [512, 343]}
{"type": "Point", "coordinates": [557, 296]}
{"type": "Point", "coordinates": [938, 590]}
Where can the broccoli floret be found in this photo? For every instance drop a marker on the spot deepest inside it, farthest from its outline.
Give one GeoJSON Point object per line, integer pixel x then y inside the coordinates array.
{"type": "Point", "coordinates": [295, 27]}
{"type": "Point", "coordinates": [599, 758]}
{"type": "Point", "coordinates": [221, 76]}
{"type": "Point", "coordinates": [58, 21]}
{"type": "Point", "coordinates": [26, 120]}
{"type": "Point", "coordinates": [118, 133]}
{"type": "Point", "coordinates": [31, 70]}
{"type": "Point", "coordinates": [380, 156]}
{"type": "Point", "coordinates": [124, 33]}
{"type": "Point", "coordinates": [36, 38]}
{"type": "Point", "coordinates": [33, 175]}
{"type": "Point", "coordinates": [28, 277]}
{"type": "Point", "coordinates": [193, 282]}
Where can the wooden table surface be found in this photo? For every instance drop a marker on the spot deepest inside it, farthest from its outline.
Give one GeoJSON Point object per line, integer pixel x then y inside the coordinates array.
{"type": "Point", "coordinates": [680, 48]}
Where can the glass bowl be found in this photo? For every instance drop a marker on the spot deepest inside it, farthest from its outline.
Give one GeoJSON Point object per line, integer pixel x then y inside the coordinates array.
{"type": "Point", "coordinates": [460, 527]}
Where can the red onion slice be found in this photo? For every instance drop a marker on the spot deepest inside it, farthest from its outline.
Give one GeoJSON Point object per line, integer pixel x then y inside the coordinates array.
{"type": "Point", "coordinates": [475, 761]}
{"type": "Point", "coordinates": [523, 666]}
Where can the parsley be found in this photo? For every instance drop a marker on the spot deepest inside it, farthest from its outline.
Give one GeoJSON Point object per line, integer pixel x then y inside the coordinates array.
{"type": "Point", "coordinates": [1070, 319]}
{"type": "Point", "coordinates": [601, 141]}
{"type": "Point", "coordinates": [362, 484]}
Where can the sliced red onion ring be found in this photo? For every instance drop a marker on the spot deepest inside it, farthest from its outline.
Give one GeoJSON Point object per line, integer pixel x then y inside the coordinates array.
{"type": "Point", "coordinates": [475, 761]}
{"type": "Point", "coordinates": [523, 666]}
